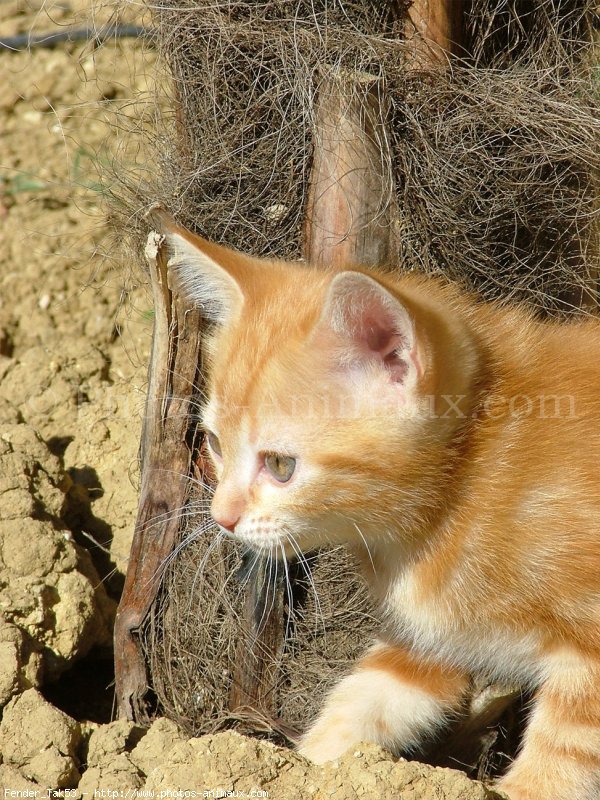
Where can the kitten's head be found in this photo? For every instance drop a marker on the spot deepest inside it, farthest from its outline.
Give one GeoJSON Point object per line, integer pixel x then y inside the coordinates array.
{"type": "Point", "coordinates": [319, 412]}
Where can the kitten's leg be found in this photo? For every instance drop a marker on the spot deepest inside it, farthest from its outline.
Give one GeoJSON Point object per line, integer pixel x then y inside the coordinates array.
{"type": "Point", "coordinates": [560, 757]}
{"type": "Point", "coordinates": [392, 698]}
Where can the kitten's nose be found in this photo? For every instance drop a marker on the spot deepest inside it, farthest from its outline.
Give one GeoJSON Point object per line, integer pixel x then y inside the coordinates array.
{"type": "Point", "coordinates": [226, 512]}
{"type": "Point", "coordinates": [226, 521]}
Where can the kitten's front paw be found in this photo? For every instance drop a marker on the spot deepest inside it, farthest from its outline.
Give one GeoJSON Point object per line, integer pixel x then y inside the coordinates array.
{"type": "Point", "coordinates": [320, 747]}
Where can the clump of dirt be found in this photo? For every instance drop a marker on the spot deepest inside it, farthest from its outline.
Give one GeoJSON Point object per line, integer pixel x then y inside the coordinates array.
{"type": "Point", "coordinates": [44, 749]}
{"type": "Point", "coordinates": [53, 608]}
{"type": "Point", "coordinates": [63, 362]}
{"type": "Point", "coordinates": [71, 388]}
{"type": "Point", "coordinates": [229, 761]}
{"type": "Point", "coordinates": [121, 757]}
{"type": "Point", "coordinates": [69, 413]}
{"type": "Point", "coordinates": [74, 337]}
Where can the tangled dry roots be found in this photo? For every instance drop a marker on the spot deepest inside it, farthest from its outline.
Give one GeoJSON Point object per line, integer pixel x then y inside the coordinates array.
{"type": "Point", "coordinates": [195, 636]}
{"type": "Point", "coordinates": [496, 157]}
{"type": "Point", "coordinates": [496, 163]}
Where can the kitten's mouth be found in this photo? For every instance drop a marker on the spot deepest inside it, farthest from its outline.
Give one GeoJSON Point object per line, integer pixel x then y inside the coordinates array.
{"type": "Point", "coordinates": [265, 542]}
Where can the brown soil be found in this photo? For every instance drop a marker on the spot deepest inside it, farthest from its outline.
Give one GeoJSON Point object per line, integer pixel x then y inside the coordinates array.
{"type": "Point", "coordinates": [73, 351]}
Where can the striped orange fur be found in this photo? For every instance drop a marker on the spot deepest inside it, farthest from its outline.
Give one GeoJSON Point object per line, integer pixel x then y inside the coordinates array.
{"type": "Point", "coordinates": [455, 447]}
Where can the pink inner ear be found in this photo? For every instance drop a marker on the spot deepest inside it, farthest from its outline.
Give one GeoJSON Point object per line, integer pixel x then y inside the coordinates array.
{"type": "Point", "coordinates": [379, 337]}
{"type": "Point", "coordinates": [373, 325]}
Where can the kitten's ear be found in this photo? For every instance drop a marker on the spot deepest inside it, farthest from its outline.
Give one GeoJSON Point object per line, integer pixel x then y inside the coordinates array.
{"type": "Point", "coordinates": [374, 326]}
{"type": "Point", "coordinates": [206, 273]}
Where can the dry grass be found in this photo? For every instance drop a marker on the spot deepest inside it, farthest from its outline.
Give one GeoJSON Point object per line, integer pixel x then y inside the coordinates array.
{"type": "Point", "coordinates": [496, 157]}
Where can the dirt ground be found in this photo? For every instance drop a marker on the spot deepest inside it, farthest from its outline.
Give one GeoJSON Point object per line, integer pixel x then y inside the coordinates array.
{"type": "Point", "coordinates": [74, 338]}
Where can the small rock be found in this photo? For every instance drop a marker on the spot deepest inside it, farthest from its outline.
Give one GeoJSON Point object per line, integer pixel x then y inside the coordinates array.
{"type": "Point", "coordinates": [155, 746]}
{"type": "Point", "coordinates": [116, 777]}
{"type": "Point", "coordinates": [20, 663]}
{"type": "Point", "coordinates": [108, 741]}
{"type": "Point", "coordinates": [40, 740]}
{"type": "Point", "coordinates": [13, 779]}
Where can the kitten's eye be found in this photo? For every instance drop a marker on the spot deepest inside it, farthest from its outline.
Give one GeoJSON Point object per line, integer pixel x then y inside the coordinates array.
{"type": "Point", "coordinates": [281, 467]}
{"type": "Point", "coordinates": [214, 443]}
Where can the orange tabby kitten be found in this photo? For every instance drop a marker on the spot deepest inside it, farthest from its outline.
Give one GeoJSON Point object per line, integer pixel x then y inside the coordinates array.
{"type": "Point", "coordinates": [456, 445]}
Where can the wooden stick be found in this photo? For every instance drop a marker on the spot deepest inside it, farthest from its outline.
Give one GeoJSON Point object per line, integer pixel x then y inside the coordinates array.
{"type": "Point", "coordinates": [166, 455]}
{"type": "Point", "coordinates": [350, 199]}
{"type": "Point", "coordinates": [434, 30]}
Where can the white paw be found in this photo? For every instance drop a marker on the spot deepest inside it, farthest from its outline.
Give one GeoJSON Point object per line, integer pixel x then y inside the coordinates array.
{"type": "Point", "coordinates": [319, 748]}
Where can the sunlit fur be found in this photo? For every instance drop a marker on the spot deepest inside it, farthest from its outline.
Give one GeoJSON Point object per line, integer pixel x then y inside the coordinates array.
{"type": "Point", "coordinates": [473, 504]}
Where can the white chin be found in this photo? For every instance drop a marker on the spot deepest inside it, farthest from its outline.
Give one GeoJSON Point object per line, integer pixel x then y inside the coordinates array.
{"type": "Point", "coordinates": [267, 544]}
